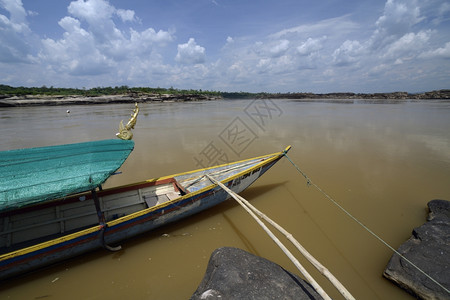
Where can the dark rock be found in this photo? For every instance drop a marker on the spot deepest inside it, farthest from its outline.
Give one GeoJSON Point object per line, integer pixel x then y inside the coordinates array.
{"type": "Point", "coordinates": [429, 249]}
{"type": "Point", "coordinates": [236, 274]}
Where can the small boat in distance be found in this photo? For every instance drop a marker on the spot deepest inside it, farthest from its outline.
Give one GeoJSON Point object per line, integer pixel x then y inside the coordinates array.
{"type": "Point", "coordinates": [52, 206]}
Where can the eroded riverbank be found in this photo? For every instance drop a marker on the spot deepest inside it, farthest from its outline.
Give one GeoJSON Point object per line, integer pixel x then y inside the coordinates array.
{"type": "Point", "coordinates": [43, 100]}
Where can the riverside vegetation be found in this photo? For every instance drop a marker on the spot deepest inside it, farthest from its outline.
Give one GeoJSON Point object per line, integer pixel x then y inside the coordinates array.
{"type": "Point", "coordinates": [34, 96]}
{"type": "Point", "coordinates": [28, 96]}
{"type": "Point", "coordinates": [8, 91]}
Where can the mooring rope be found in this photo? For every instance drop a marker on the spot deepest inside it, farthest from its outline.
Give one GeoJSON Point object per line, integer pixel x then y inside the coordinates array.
{"type": "Point", "coordinates": [302, 270]}
{"type": "Point", "coordinates": [310, 182]}
{"type": "Point", "coordinates": [321, 268]}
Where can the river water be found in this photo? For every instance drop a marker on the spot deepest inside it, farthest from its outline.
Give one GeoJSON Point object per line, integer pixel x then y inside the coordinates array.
{"type": "Point", "coordinates": [382, 161]}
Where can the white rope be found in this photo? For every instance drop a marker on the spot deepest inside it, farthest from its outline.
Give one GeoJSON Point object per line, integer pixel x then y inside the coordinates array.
{"type": "Point", "coordinates": [321, 268]}
{"type": "Point", "coordinates": [309, 182]}
{"type": "Point", "coordinates": [302, 270]}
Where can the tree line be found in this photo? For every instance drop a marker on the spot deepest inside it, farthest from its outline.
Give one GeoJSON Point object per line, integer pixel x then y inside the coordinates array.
{"type": "Point", "coordinates": [96, 91]}
{"type": "Point", "coordinates": [7, 91]}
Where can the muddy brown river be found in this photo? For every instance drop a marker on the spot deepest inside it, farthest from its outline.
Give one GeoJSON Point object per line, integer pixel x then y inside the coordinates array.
{"type": "Point", "coordinates": [382, 161]}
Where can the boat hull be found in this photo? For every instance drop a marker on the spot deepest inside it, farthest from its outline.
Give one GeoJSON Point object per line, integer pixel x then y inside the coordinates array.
{"type": "Point", "coordinates": [52, 251]}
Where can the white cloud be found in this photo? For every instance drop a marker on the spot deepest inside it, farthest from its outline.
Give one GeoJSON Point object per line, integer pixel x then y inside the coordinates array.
{"type": "Point", "coordinates": [399, 16]}
{"type": "Point", "coordinates": [15, 8]}
{"type": "Point", "coordinates": [279, 48]}
{"type": "Point", "coordinates": [280, 65]}
{"type": "Point", "coordinates": [263, 63]}
{"type": "Point", "coordinates": [379, 70]}
{"type": "Point", "coordinates": [101, 47]}
{"type": "Point", "coordinates": [92, 11]}
{"type": "Point", "coordinates": [398, 19]}
{"type": "Point", "coordinates": [75, 54]}
{"type": "Point", "coordinates": [408, 45]}
{"type": "Point", "coordinates": [310, 46]}
{"type": "Point", "coordinates": [98, 15]}
{"type": "Point", "coordinates": [32, 13]}
{"type": "Point", "coordinates": [70, 24]}
{"type": "Point", "coordinates": [339, 24]}
{"type": "Point", "coordinates": [190, 53]}
{"type": "Point", "coordinates": [144, 44]}
{"type": "Point", "coordinates": [126, 15]}
{"type": "Point", "coordinates": [348, 53]}
{"type": "Point", "coordinates": [15, 35]}
{"type": "Point", "coordinates": [309, 56]}
{"type": "Point", "coordinates": [442, 52]}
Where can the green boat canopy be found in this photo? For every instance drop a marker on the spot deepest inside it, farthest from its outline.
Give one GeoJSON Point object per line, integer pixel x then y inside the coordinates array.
{"type": "Point", "coordinates": [29, 176]}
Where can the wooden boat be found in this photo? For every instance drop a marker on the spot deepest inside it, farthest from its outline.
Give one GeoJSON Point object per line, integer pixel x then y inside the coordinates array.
{"type": "Point", "coordinates": [55, 207]}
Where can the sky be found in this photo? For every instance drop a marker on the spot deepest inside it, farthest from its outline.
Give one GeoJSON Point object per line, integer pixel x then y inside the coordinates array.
{"type": "Point", "coordinates": [322, 46]}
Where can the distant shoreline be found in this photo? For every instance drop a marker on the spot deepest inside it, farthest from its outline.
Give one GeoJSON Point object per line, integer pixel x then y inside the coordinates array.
{"type": "Point", "coordinates": [53, 100]}
{"type": "Point", "coordinates": [440, 94]}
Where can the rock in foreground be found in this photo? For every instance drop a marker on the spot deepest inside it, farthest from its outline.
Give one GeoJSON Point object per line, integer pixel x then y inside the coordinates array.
{"type": "Point", "coordinates": [429, 249]}
{"type": "Point", "coordinates": [236, 274]}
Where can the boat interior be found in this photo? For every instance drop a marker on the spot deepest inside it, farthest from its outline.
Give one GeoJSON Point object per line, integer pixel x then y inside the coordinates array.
{"type": "Point", "coordinates": [45, 221]}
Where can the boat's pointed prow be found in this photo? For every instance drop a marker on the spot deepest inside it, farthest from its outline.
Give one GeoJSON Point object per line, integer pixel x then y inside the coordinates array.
{"type": "Point", "coordinates": [286, 150]}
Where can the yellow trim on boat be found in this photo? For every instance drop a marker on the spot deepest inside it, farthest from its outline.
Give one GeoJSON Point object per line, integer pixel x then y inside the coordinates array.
{"type": "Point", "coordinates": [49, 243]}
{"type": "Point", "coordinates": [272, 156]}
{"type": "Point", "coordinates": [200, 170]}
